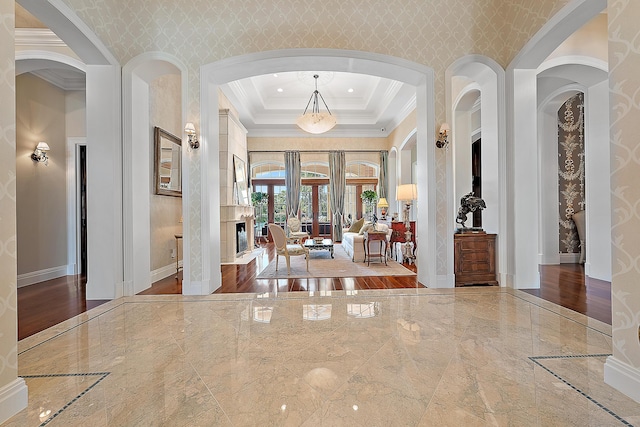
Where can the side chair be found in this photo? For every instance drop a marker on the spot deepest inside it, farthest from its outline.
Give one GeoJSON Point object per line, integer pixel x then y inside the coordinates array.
{"type": "Point", "coordinates": [286, 249]}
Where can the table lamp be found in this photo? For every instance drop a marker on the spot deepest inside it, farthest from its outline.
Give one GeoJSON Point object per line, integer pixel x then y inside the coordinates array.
{"type": "Point", "coordinates": [407, 193]}
{"type": "Point", "coordinates": [383, 205]}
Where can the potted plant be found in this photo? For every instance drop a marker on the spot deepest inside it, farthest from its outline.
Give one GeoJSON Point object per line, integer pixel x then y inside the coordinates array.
{"type": "Point", "coordinates": [260, 200]}
{"type": "Point", "coordinates": [369, 197]}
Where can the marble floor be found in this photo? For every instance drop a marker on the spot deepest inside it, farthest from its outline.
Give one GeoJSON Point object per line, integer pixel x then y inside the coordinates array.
{"type": "Point", "coordinates": [413, 357]}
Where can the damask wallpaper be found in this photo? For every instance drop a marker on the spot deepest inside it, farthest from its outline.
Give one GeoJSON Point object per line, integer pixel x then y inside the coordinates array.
{"type": "Point", "coordinates": [571, 169]}
{"type": "Point", "coordinates": [8, 249]}
{"type": "Point", "coordinates": [433, 33]}
{"type": "Point", "coordinates": [624, 81]}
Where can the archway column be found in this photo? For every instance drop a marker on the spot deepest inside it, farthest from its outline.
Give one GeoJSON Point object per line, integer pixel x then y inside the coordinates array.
{"type": "Point", "coordinates": [426, 206]}
{"type": "Point", "coordinates": [201, 201]}
{"type": "Point", "coordinates": [598, 180]}
{"type": "Point", "coordinates": [522, 95]}
{"type": "Point", "coordinates": [104, 183]}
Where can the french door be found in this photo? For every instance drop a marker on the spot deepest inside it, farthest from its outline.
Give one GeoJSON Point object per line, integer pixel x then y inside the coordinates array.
{"type": "Point", "coordinates": [315, 213]}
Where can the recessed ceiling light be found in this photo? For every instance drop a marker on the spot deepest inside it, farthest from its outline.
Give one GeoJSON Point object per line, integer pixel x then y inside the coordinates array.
{"type": "Point", "coordinates": [280, 90]}
{"type": "Point", "coordinates": [275, 75]}
{"type": "Point", "coordinates": [350, 90]}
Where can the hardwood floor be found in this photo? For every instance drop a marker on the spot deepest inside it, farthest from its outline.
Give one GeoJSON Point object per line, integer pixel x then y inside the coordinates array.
{"type": "Point", "coordinates": [565, 285]}
{"type": "Point", "coordinates": [241, 278]}
{"type": "Point", "coordinates": [45, 304]}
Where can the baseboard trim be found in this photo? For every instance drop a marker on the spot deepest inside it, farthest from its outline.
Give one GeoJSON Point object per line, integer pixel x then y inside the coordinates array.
{"type": "Point", "coordinates": [446, 281]}
{"type": "Point", "coordinates": [14, 397]}
{"type": "Point", "coordinates": [163, 272]}
{"type": "Point", "coordinates": [622, 377]}
{"type": "Point", "coordinates": [569, 258]}
{"type": "Point", "coordinates": [198, 287]}
{"type": "Point", "coordinates": [506, 280]}
{"type": "Point", "coordinates": [72, 269]}
{"type": "Point", "coordinates": [33, 277]}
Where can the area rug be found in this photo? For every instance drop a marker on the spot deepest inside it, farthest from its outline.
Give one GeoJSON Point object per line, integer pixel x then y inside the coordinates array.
{"type": "Point", "coordinates": [322, 265]}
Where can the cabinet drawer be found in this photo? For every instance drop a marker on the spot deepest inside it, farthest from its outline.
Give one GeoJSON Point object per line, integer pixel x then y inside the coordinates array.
{"type": "Point", "coordinates": [470, 257]}
{"type": "Point", "coordinates": [474, 259]}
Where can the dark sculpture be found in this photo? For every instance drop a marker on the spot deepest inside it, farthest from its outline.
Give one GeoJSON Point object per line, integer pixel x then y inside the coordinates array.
{"type": "Point", "coordinates": [468, 203]}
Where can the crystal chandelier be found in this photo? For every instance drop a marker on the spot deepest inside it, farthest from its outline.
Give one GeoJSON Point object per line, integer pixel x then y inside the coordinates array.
{"type": "Point", "coordinates": [314, 121]}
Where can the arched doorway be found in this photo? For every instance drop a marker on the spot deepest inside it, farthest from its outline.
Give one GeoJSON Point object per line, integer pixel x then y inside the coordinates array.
{"type": "Point", "coordinates": [207, 255]}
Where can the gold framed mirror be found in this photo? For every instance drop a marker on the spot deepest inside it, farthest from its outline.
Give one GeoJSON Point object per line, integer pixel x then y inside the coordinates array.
{"type": "Point", "coordinates": [167, 163]}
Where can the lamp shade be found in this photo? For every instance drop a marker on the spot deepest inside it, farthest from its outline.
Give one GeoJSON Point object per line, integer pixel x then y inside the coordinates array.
{"type": "Point", "coordinates": [190, 129]}
{"type": "Point", "coordinates": [382, 203]}
{"type": "Point", "coordinates": [42, 146]}
{"type": "Point", "coordinates": [316, 123]}
{"type": "Point", "coordinates": [407, 192]}
{"type": "Point", "coordinates": [445, 128]}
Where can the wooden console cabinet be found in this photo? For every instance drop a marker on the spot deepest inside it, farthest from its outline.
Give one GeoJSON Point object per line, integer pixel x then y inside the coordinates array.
{"type": "Point", "coordinates": [397, 233]}
{"type": "Point", "coordinates": [475, 258]}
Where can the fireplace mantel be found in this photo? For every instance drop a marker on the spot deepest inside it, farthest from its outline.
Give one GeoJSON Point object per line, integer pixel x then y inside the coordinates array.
{"type": "Point", "coordinates": [230, 215]}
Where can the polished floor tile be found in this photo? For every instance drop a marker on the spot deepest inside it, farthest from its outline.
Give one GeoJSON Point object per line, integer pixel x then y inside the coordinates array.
{"type": "Point", "coordinates": [414, 357]}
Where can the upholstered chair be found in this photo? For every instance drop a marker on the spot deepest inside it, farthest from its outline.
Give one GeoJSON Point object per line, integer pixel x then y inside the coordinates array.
{"type": "Point", "coordinates": [286, 249]}
{"type": "Point", "coordinates": [295, 230]}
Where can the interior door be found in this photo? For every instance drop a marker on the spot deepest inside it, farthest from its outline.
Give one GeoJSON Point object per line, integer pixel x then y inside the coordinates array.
{"type": "Point", "coordinates": [476, 168]}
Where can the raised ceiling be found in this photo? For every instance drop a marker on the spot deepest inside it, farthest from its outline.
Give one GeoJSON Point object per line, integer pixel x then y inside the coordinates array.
{"type": "Point", "coordinates": [364, 105]}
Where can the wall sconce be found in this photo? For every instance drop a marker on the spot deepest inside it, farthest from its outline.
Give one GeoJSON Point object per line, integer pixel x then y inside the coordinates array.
{"type": "Point", "coordinates": [190, 130]}
{"type": "Point", "coordinates": [443, 136]}
{"type": "Point", "coordinates": [40, 153]}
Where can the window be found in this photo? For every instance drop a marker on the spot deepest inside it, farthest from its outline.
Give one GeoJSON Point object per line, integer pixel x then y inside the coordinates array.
{"type": "Point", "coordinates": [267, 170]}
{"type": "Point", "coordinates": [279, 204]}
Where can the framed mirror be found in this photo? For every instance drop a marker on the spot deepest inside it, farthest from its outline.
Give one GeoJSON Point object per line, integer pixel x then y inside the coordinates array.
{"type": "Point", "coordinates": [241, 183]}
{"type": "Point", "coordinates": [167, 163]}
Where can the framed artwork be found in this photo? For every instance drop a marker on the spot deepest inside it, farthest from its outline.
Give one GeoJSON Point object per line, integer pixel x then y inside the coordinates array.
{"type": "Point", "coordinates": [241, 180]}
{"type": "Point", "coordinates": [167, 165]}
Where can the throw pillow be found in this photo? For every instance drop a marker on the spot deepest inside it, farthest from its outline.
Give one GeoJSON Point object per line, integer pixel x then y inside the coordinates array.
{"type": "Point", "coordinates": [356, 226]}
{"type": "Point", "coordinates": [366, 227]}
{"type": "Point", "coordinates": [382, 227]}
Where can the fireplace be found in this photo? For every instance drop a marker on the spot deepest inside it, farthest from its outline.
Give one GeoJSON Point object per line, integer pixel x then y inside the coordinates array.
{"type": "Point", "coordinates": [241, 238]}
{"type": "Point", "coordinates": [236, 232]}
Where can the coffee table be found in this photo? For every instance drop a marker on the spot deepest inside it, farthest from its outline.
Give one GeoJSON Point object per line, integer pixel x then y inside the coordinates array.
{"type": "Point", "coordinates": [326, 244]}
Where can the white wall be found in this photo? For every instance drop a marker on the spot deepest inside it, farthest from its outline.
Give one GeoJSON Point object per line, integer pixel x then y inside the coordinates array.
{"type": "Point", "coordinates": [40, 189]}
{"type": "Point", "coordinates": [165, 111]}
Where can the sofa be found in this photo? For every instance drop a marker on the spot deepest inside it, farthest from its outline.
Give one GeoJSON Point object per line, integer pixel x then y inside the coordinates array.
{"type": "Point", "coordinates": [352, 242]}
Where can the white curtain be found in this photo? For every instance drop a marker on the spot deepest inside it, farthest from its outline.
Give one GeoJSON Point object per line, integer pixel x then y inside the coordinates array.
{"type": "Point", "coordinates": [292, 181]}
{"type": "Point", "coordinates": [337, 189]}
{"type": "Point", "coordinates": [383, 183]}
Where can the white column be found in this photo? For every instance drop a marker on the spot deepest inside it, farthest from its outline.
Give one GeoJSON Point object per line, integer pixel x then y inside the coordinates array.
{"type": "Point", "coordinates": [104, 183]}
{"type": "Point", "coordinates": [426, 183]}
{"type": "Point", "coordinates": [598, 183]}
{"type": "Point", "coordinates": [203, 275]}
{"type": "Point", "coordinates": [138, 147]}
{"type": "Point", "coordinates": [524, 174]}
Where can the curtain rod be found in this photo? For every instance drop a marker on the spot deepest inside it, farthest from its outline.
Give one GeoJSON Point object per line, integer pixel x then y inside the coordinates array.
{"type": "Point", "coordinates": [316, 151]}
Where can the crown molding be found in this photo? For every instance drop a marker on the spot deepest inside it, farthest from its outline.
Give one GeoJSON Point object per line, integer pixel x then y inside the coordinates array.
{"type": "Point", "coordinates": [38, 37]}
{"type": "Point", "coordinates": [63, 83]}
{"type": "Point", "coordinates": [404, 112]}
